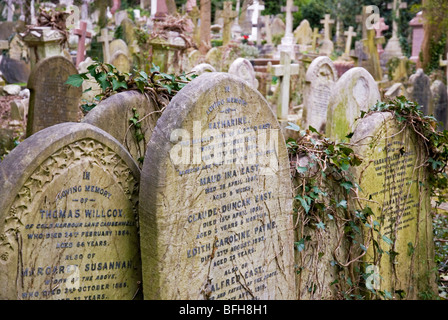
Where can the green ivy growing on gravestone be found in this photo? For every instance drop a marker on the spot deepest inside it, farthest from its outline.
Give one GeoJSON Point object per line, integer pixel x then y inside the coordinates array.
{"type": "Point", "coordinates": [323, 184]}
{"type": "Point", "coordinates": [159, 86]}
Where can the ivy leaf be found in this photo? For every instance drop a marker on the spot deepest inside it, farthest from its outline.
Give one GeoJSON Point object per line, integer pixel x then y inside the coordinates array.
{"type": "Point", "coordinates": [301, 169]}
{"type": "Point", "coordinates": [118, 84]}
{"type": "Point", "coordinates": [304, 203]}
{"type": "Point", "coordinates": [387, 240]}
{"type": "Point", "coordinates": [293, 126]}
{"type": "Point", "coordinates": [342, 204]}
{"type": "Point", "coordinates": [300, 244]}
{"type": "Point", "coordinates": [347, 185]}
{"type": "Point", "coordinates": [320, 225]}
{"type": "Point", "coordinates": [76, 80]}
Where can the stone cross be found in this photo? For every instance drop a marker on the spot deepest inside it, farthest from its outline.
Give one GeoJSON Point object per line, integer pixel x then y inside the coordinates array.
{"type": "Point", "coordinates": [285, 70]}
{"type": "Point", "coordinates": [316, 36]}
{"type": "Point", "coordinates": [228, 15]}
{"type": "Point", "coordinates": [396, 6]}
{"type": "Point", "coordinates": [257, 8]}
{"type": "Point", "coordinates": [83, 34]}
{"type": "Point", "coordinates": [326, 22]}
{"type": "Point", "coordinates": [289, 9]}
{"type": "Point", "coordinates": [371, 44]}
{"type": "Point", "coordinates": [361, 19]}
{"type": "Point", "coordinates": [348, 44]}
{"type": "Point", "coordinates": [379, 33]}
{"type": "Point", "coordinates": [105, 38]}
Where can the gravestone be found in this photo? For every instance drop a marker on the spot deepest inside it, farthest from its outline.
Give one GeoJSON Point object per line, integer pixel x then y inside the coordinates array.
{"type": "Point", "coordinates": [303, 34]}
{"type": "Point", "coordinates": [218, 225]}
{"type": "Point", "coordinates": [440, 102]}
{"type": "Point", "coordinates": [393, 183]}
{"type": "Point", "coordinates": [112, 115]}
{"type": "Point", "coordinates": [118, 45]}
{"type": "Point", "coordinates": [320, 79]}
{"type": "Point", "coordinates": [243, 69]}
{"type": "Point", "coordinates": [396, 90]}
{"type": "Point", "coordinates": [51, 100]}
{"type": "Point", "coordinates": [355, 91]}
{"type": "Point", "coordinates": [327, 45]}
{"type": "Point", "coordinates": [419, 91]}
{"type": "Point", "coordinates": [214, 57]}
{"type": "Point", "coordinates": [121, 61]}
{"type": "Point", "coordinates": [68, 217]}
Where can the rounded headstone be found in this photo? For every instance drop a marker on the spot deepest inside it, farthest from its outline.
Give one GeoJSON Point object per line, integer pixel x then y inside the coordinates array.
{"type": "Point", "coordinates": [113, 116]}
{"type": "Point", "coordinates": [68, 217]}
{"type": "Point", "coordinates": [215, 200]}
{"type": "Point", "coordinates": [355, 91]}
{"type": "Point", "coordinates": [320, 78]}
{"type": "Point", "coordinates": [243, 68]}
{"type": "Point", "coordinates": [52, 101]}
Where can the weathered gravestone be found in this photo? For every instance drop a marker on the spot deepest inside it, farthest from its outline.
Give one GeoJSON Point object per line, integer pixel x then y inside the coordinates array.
{"type": "Point", "coordinates": [121, 61]}
{"type": "Point", "coordinates": [355, 91]}
{"type": "Point", "coordinates": [68, 217]}
{"type": "Point", "coordinates": [440, 102]}
{"type": "Point", "coordinates": [215, 207]}
{"type": "Point", "coordinates": [393, 183]}
{"type": "Point", "coordinates": [113, 116]}
{"type": "Point", "coordinates": [320, 79]}
{"type": "Point", "coordinates": [118, 45]}
{"type": "Point", "coordinates": [243, 68]}
{"type": "Point", "coordinates": [420, 91]}
{"type": "Point", "coordinates": [51, 100]}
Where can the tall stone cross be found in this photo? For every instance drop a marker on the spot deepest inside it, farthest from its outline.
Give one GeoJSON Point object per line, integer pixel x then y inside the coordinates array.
{"type": "Point", "coordinates": [361, 19]}
{"type": "Point", "coordinates": [229, 16]}
{"type": "Point", "coordinates": [289, 9]}
{"type": "Point", "coordinates": [371, 44]}
{"type": "Point", "coordinates": [316, 36]}
{"type": "Point", "coordinates": [105, 38]}
{"type": "Point", "coordinates": [396, 6]}
{"type": "Point", "coordinates": [379, 33]}
{"type": "Point", "coordinates": [348, 43]}
{"type": "Point", "coordinates": [284, 70]}
{"type": "Point", "coordinates": [326, 22]}
{"type": "Point", "coordinates": [83, 35]}
{"type": "Point", "coordinates": [256, 8]}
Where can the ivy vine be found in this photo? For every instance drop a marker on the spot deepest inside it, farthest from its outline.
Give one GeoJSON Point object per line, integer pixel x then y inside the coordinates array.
{"type": "Point", "coordinates": [324, 188]}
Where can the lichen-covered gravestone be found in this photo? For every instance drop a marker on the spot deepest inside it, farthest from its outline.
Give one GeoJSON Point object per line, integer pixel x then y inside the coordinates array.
{"type": "Point", "coordinates": [355, 91]}
{"type": "Point", "coordinates": [393, 183]}
{"type": "Point", "coordinates": [68, 217]}
{"type": "Point", "coordinates": [215, 200]}
{"type": "Point", "coordinates": [51, 100]}
{"type": "Point", "coordinates": [320, 79]}
{"type": "Point", "coordinates": [114, 115]}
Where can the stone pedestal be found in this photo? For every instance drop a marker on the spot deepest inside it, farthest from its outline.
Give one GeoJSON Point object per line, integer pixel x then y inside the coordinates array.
{"type": "Point", "coordinates": [164, 52]}
{"type": "Point", "coordinates": [44, 42]}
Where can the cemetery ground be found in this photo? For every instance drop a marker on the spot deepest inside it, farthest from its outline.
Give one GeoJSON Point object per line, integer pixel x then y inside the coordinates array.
{"type": "Point", "coordinates": [147, 155]}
